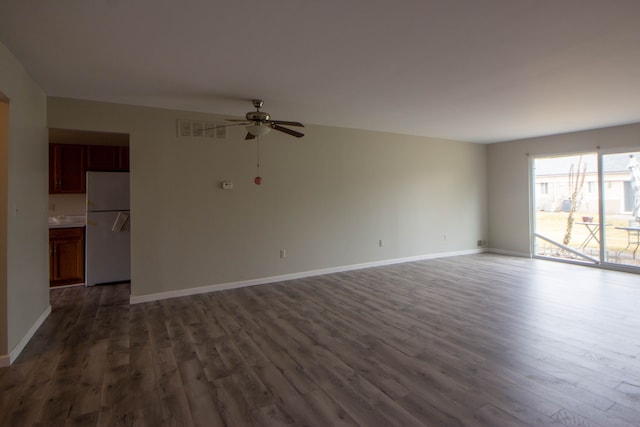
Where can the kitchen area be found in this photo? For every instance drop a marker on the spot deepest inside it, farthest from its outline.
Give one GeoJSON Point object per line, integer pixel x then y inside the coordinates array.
{"type": "Point", "coordinates": [89, 216]}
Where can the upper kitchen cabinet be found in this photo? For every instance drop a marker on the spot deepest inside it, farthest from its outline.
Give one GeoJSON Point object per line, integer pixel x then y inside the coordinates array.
{"type": "Point", "coordinates": [67, 168]}
{"type": "Point", "coordinates": [73, 152]}
{"type": "Point", "coordinates": [103, 158]}
{"type": "Point", "coordinates": [123, 159]}
{"type": "Point", "coordinates": [107, 158]}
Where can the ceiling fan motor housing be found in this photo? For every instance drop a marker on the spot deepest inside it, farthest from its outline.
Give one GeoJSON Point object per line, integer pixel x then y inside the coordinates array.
{"type": "Point", "coordinates": [258, 116]}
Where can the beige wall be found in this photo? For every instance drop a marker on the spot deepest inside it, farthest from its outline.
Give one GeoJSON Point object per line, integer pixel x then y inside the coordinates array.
{"type": "Point", "coordinates": [27, 272]}
{"type": "Point", "coordinates": [327, 198]}
{"type": "Point", "coordinates": [509, 174]}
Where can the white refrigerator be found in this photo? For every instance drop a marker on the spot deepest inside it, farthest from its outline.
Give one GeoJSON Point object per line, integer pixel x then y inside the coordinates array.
{"type": "Point", "coordinates": [107, 236]}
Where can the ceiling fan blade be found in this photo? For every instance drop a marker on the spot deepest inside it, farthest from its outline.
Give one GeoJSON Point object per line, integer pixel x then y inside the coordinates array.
{"type": "Point", "coordinates": [238, 120]}
{"type": "Point", "coordinates": [224, 126]}
{"type": "Point", "coordinates": [282, 122]}
{"type": "Point", "coordinates": [249, 136]}
{"type": "Point", "coordinates": [285, 130]}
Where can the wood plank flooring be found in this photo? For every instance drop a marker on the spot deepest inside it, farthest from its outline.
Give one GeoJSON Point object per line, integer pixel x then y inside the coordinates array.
{"type": "Point", "coordinates": [481, 340]}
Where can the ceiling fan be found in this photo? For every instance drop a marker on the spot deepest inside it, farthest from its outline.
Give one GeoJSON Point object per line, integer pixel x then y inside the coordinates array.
{"type": "Point", "coordinates": [259, 123]}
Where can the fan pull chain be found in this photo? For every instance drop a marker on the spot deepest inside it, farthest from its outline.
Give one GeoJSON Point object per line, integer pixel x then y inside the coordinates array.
{"type": "Point", "coordinates": [258, 179]}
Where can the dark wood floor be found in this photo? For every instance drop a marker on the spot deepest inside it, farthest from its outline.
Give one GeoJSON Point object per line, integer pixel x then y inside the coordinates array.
{"type": "Point", "coordinates": [475, 340]}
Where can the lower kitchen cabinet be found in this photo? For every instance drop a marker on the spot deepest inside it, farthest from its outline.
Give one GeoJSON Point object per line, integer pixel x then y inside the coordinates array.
{"type": "Point", "coordinates": [66, 256]}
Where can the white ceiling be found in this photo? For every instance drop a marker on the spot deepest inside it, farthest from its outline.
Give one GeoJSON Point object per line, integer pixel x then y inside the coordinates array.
{"type": "Point", "coordinates": [472, 70]}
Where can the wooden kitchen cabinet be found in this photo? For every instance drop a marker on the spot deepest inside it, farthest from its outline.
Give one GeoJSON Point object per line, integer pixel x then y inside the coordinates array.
{"type": "Point", "coordinates": [107, 158]}
{"type": "Point", "coordinates": [66, 256]}
{"type": "Point", "coordinates": [67, 168]}
{"type": "Point", "coordinates": [103, 158]}
{"type": "Point", "coordinates": [68, 164]}
{"type": "Point", "coordinates": [123, 159]}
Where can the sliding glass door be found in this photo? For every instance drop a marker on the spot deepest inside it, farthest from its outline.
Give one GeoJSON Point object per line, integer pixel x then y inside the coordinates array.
{"type": "Point", "coordinates": [566, 210]}
{"type": "Point", "coordinates": [587, 208]}
{"type": "Point", "coordinates": [621, 208]}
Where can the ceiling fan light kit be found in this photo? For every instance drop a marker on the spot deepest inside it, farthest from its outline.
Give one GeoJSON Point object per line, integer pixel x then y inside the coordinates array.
{"type": "Point", "coordinates": [258, 129]}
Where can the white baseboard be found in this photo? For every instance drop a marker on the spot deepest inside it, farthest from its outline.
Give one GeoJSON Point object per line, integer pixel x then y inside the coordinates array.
{"type": "Point", "coordinates": [509, 253]}
{"type": "Point", "coordinates": [273, 279]}
{"type": "Point", "coordinates": [13, 355]}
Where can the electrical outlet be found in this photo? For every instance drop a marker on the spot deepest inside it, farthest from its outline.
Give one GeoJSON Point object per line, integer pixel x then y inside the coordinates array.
{"type": "Point", "coordinates": [380, 243]}
{"type": "Point", "coordinates": [283, 253]}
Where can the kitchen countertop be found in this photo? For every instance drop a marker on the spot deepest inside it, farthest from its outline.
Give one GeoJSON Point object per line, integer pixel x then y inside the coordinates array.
{"type": "Point", "coordinates": [67, 221]}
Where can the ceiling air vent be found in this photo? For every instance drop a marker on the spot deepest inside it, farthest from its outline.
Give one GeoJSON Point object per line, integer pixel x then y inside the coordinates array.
{"type": "Point", "coordinates": [200, 129]}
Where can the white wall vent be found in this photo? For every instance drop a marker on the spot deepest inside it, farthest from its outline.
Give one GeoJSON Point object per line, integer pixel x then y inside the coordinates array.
{"type": "Point", "coordinates": [200, 129]}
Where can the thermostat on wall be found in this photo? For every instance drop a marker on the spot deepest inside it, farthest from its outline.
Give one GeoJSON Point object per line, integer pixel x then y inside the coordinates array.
{"type": "Point", "coordinates": [227, 185]}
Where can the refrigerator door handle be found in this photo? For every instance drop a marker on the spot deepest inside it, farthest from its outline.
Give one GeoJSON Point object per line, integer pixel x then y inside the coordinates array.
{"type": "Point", "coordinates": [120, 221]}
